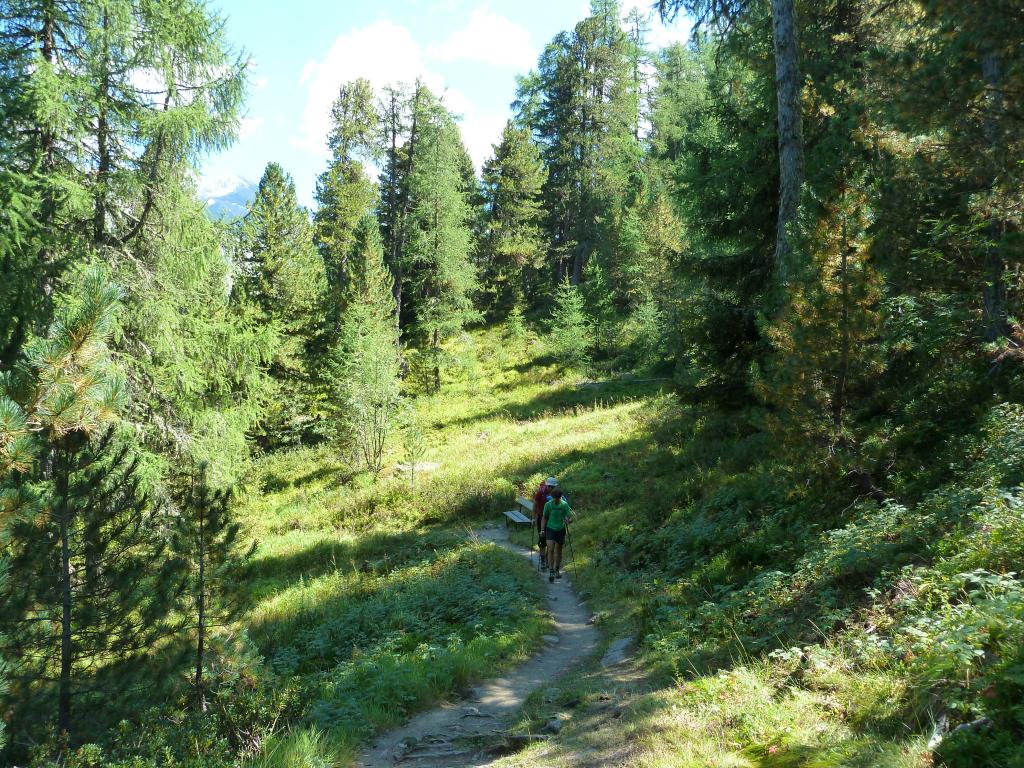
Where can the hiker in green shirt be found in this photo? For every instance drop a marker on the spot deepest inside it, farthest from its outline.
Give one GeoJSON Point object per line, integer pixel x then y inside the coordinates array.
{"type": "Point", "coordinates": [556, 516]}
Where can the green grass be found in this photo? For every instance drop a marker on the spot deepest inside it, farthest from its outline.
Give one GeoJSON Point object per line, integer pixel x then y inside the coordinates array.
{"type": "Point", "coordinates": [367, 592]}
{"type": "Point", "coordinates": [778, 624]}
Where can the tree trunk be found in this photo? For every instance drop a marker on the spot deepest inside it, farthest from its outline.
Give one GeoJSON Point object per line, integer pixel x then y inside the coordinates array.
{"type": "Point", "coordinates": [99, 224]}
{"type": "Point", "coordinates": [48, 150]}
{"type": "Point", "coordinates": [436, 343]}
{"type": "Point", "coordinates": [994, 320]}
{"type": "Point", "coordinates": [790, 129]}
{"type": "Point", "coordinates": [64, 686]}
{"type": "Point", "coordinates": [201, 611]}
{"type": "Point", "coordinates": [839, 400]}
{"type": "Point", "coordinates": [577, 264]}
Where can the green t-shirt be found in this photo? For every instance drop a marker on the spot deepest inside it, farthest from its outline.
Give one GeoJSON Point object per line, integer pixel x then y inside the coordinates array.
{"type": "Point", "coordinates": [556, 512]}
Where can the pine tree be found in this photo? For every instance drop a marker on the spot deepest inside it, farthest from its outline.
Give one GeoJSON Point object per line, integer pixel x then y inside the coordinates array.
{"type": "Point", "coordinates": [204, 538]}
{"type": "Point", "coordinates": [400, 113]}
{"type": "Point", "coordinates": [513, 249]}
{"type": "Point", "coordinates": [90, 585]}
{"type": "Point", "coordinates": [98, 586]}
{"type": "Point", "coordinates": [967, 77]}
{"type": "Point", "coordinates": [712, 149]}
{"type": "Point", "coordinates": [282, 276]}
{"type": "Point", "coordinates": [789, 108]}
{"type": "Point", "coordinates": [586, 125]}
{"type": "Point", "coordinates": [367, 358]}
{"type": "Point", "coordinates": [598, 301]}
{"type": "Point", "coordinates": [3, 664]}
{"type": "Point", "coordinates": [65, 385]}
{"type": "Point", "coordinates": [439, 269]}
{"type": "Point", "coordinates": [571, 328]}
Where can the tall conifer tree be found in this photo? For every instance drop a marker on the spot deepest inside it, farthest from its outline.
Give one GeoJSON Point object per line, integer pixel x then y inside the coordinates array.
{"type": "Point", "coordinates": [344, 192]}
{"type": "Point", "coordinates": [367, 358]}
{"type": "Point", "coordinates": [283, 277]}
{"type": "Point", "coordinates": [513, 249]}
{"type": "Point", "coordinates": [439, 268]}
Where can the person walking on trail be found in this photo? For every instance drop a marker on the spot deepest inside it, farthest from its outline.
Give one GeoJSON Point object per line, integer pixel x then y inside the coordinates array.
{"type": "Point", "coordinates": [540, 498]}
{"type": "Point", "coordinates": [557, 515]}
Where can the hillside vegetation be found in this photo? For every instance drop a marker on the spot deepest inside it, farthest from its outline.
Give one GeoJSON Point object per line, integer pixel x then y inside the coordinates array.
{"type": "Point", "coordinates": [777, 624]}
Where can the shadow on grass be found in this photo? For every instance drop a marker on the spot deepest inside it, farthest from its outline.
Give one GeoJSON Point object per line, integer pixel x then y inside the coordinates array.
{"type": "Point", "coordinates": [274, 482]}
{"type": "Point", "coordinates": [639, 515]}
{"type": "Point", "coordinates": [565, 399]}
{"type": "Point", "coordinates": [370, 553]}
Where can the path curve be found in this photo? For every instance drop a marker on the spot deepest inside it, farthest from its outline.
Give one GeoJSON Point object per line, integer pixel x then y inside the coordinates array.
{"type": "Point", "coordinates": [439, 736]}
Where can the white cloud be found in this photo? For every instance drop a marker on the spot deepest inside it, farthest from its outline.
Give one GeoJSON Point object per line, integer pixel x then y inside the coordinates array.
{"type": "Point", "coordinates": [488, 38]}
{"type": "Point", "coordinates": [218, 185]}
{"type": "Point", "coordinates": [248, 126]}
{"type": "Point", "coordinates": [383, 53]}
{"type": "Point", "coordinates": [480, 133]}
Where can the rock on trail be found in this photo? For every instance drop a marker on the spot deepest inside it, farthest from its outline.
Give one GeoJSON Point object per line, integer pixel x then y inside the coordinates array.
{"type": "Point", "coordinates": [449, 734]}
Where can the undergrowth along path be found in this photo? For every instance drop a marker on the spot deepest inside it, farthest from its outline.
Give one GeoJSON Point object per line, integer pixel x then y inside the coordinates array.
{"type": "Point", "coordinates": [455, 734]}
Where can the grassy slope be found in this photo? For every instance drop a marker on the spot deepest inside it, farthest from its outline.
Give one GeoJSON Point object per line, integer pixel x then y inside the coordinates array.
{"type": "Point", "coordinates": [760, 642]}
{"type": "Point", "coordinates": [366, 595]}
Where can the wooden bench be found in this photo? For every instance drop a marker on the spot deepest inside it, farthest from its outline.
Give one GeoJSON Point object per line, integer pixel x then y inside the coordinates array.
{"type": "Point", "coordinates": [515, 516]}
{"type": "Point", "coordinates": [521, 516]}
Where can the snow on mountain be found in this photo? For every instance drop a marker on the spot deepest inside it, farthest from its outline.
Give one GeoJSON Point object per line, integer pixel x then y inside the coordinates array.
{"type": "Point", "coordinates": [227, 197]}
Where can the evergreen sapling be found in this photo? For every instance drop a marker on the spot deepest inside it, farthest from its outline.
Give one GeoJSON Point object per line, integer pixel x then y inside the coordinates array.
{"type": "Point", "coordinates": [204, 540]}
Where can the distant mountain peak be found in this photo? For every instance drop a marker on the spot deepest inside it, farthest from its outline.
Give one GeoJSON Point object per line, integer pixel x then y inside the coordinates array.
{"type": "Point", "coordinates": [228, 196]}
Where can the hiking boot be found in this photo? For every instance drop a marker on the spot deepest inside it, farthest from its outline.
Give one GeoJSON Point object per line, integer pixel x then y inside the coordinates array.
{"type": "Point", "coordinates": [558, 574]}
{"type": "Point", "coordinates": [551, 575]}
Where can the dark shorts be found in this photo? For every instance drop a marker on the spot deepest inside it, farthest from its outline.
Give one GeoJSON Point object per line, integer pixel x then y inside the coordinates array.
{"type": "Point", "coordinates": [556, 536]}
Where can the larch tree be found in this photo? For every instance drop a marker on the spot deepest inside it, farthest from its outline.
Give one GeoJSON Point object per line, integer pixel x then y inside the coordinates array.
{"type": "Point", "coordinates": [344, 192]}
{"type": "Point", "coordinates": [103, 99]}
{"type": "Point", "coordinates": [107, 106]}
{"type": "Point", "coordinates": [513, 250]}
{"type": "Point", "coordinates": [367, 358]}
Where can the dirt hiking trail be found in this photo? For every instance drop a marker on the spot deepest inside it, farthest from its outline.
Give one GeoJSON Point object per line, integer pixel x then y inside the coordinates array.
{"type": "Point", "coordinates": [451, 735]}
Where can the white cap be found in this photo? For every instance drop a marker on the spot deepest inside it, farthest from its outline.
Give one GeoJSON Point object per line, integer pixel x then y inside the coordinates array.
{"type": "Point", "coordinates": [550, 482]}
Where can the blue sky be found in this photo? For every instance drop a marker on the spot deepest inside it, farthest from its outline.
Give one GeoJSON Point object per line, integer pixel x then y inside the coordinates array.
{"type": "Point", "coordinates": [304, 49]}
